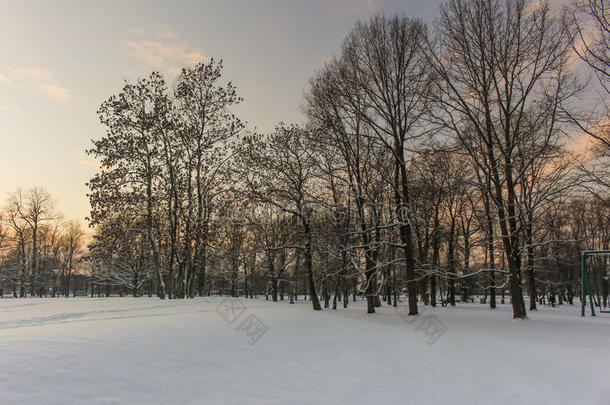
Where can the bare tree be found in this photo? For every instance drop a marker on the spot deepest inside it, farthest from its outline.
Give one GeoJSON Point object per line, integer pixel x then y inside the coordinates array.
{"type": "Point", "coordinates": [590, 36]}
{"type": "Point", "coordinates": [279, 170]}
{"type": "Point", "coordinates": [497, 62]}
{"type": "Point", "coordinates": [382, 77]}
{"type": "Point", "coordinates": [206, 127]}
{"type": "Point", "coordinates": [121, 253]}
{"type": "Point", "coordinates": [27, 212]}
{"type": "Point", "coordinates": [129, 156]}
{"type": "Point", "coordinates": [71, 244]}
{"type": "Point", "coordinates": [344, 135]}
{"type": "Point", "coordinates": [588, 24]}
{"type": "Point", "coordinates": [4, 237]}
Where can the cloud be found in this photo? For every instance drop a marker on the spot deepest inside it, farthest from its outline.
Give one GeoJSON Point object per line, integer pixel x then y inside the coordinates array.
{"type": "Point", "coordinates": [22, 74]}
{"type": "Point", "coordinates": [160, 48]}
{"type": "Point", "coordinates": [534, 7]}
{"type": "Point", "coordinates": [90, 163]}
{"type": "Point", "coordinates": [166, 33]}
{"type": "Point", "coordinates": [40, 79]}
{"type": "Point", "coordinates": [57, 93]}
{"type": "Point", "coordinates": [136, 31]}
{"type": "Point", "coordinates": [360, 6]}
{"type": "Point", "coordinates": [582, 145]}
{"type": "Point", "coordinates": [34, 169]}
{"type": "Point", "coordinates": [371, 4]}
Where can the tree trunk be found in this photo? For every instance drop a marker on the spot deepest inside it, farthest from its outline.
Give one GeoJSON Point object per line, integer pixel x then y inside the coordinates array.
{"type": "Point", "coordinates": [451, 264]}
{"type": "Point", "coordinates": [315, 301]}
{"type": "Point", "coordinates": [403, 208]}
{"type": "Point", "coordinates": [531, 276]}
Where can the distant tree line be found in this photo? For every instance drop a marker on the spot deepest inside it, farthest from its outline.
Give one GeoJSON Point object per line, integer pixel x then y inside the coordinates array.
{"type": "Point", "coordinates": [434, 166]}
{"type": "Point", "coordinates": [40, 252]}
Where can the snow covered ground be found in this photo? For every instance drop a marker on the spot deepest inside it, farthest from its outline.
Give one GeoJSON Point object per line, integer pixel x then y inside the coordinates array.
{"type": "Point", "coordinates": [144, 350]}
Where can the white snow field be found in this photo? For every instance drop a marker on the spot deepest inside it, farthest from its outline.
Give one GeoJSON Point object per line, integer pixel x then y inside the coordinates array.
{"type": "Point", "coordinates": [148, 351]}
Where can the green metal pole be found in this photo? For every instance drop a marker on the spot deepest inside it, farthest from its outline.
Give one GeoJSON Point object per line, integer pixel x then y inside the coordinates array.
{"type": "Point", "coordinates": [585, 288]}
{"type": "Point", "coordinates": [589, 291]}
